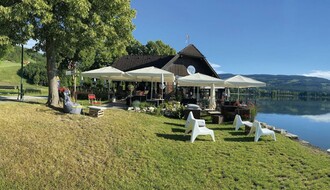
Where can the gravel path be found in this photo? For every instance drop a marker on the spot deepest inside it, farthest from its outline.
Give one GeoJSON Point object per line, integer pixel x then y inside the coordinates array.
{"type": "Point", "coordinates": [6, 99]}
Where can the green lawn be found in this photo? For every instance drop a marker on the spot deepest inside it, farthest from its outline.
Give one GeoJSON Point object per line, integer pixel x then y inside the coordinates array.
{"type": "Point", "coordinates": [10, 77]}
{"type": "Point", "coordinates": [45, 149]}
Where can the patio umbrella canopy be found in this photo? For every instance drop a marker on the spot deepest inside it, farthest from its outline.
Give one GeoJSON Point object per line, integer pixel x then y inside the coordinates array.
{"type": "Point", "coordinates": [199, 79]}
{"type": "Point", "coordinates": [109, 72]}
{"type": "Point", "coordinates": [151, 74]}
{"type": "Point", "coordinates": [239, 81]}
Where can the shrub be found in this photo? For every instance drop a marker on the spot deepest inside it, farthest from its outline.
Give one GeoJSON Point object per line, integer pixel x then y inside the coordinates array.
{"type": "Point", "coordinates": [173, 109]}
{"type": "Point", "coordinates": [136, 104]}
{"type": "Point", "coordinates": [35, 73]}
{"type": "Point", "coordinates": [145, 104]}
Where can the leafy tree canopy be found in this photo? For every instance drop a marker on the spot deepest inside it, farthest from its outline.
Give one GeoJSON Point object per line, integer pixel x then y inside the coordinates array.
{"type": "Point", "coordinates": [151, 48]}
{"type": "Point", "coordinates": [65, 28]}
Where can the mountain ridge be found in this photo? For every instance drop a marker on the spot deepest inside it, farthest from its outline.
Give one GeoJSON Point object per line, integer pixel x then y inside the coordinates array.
{"type": "Point", "coordinates": [297, 83]}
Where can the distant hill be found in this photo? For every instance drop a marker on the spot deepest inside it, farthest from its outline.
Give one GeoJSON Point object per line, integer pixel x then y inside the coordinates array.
{"type": "Point", "coordinates": [295, 83]}
{"type": "Point", "coordinates": [14, 55]}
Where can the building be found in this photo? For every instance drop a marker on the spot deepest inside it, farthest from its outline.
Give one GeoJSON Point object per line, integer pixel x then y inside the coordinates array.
{"type": "Point", "coordinates": [188, 60]}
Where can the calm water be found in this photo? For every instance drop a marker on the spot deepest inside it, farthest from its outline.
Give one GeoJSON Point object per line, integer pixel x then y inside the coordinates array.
{"type": "Point", "coordinates": [310, 120]}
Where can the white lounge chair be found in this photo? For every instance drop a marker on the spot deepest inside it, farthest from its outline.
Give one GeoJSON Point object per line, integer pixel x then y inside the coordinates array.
{"type": "Point", "coordinates": [197, 130]}
{"type": "Point", "coordinates": [189, 126]}
{"type": "Point", "coordinates": [238, 122]}
{"type": "Point", "coordinates": [262, 131]}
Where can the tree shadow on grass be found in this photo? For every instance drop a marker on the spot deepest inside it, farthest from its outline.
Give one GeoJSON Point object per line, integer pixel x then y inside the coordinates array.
{"type": "Point", "coordinates": [224, 128]}
{"type": "Point", "coordinates": [176, 137]}
{"type": "Point", "coordinates": [237, 133]}
{"type": "Point", "coordinates": [176, 130]}
{"type": "Point", "coordinates": [175, 124]}
{"type": "Point", "coordinates": [239, 139]}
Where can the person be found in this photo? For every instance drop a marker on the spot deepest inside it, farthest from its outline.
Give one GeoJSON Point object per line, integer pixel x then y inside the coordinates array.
{"type": "Point", "coordinates": [69, 106]}
{"type": "Point", "coordinates": [61, 91]}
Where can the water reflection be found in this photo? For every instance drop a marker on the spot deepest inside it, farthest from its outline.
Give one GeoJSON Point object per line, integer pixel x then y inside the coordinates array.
{"type": "Point", "coordinates": [293, 107]}
{"type": "Point", "coordinates": [325, 118]}
{"type": "Point", "coordinates": [307, 119]}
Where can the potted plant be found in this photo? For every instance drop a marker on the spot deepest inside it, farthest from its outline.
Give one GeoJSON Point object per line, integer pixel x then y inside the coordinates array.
{"type": "Point", "coordinates": [130, 87]}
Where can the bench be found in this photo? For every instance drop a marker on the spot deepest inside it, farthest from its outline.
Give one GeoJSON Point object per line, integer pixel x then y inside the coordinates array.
{"type": "Point", "coordinates": [10, 90]}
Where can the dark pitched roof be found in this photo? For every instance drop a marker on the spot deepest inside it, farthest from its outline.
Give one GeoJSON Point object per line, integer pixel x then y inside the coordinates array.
{"type": "Point", "coordinates": [131, 62]}
{"type": "Point", "coordinates": [191, 50]}
{"type": "Point", "coordinates": [173, 63]}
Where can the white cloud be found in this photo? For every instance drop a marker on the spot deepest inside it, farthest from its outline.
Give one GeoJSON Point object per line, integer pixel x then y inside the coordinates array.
{"type": "Point", "coordinates": [319, 118]}
{"type": "Point", "coordinates": [216, 67]}
{"type": "Point", "coordinates": [318, 73]}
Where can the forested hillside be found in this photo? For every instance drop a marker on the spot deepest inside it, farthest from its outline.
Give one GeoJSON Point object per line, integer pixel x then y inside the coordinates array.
{"type": "Point", "coordinates": [295, 83]}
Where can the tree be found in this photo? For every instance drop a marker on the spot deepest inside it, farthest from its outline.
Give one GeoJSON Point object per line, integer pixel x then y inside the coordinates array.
{"type": "Point", "coordinates": [151, 48]}
{"type": "Point", "coordinates": [4, 49]}
{"type": "Point", "coordinates": [159, 48]}
{"type": "Point", "coordinates": [64, 28]}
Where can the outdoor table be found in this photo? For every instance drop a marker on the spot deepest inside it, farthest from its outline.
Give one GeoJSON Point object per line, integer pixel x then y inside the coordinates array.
{"type": "Point", "coordinates": [216, 116]}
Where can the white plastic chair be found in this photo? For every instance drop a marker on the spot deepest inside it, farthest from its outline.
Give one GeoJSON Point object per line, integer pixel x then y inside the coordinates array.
{"type": "Point", "coordinates": [238, 122]}
{"type": "Point", "coordinates": [262, 131]}
{"type": "Point", "coordinates": [197, 130]}
{"type": "Point", "coordinates": [189, 125]}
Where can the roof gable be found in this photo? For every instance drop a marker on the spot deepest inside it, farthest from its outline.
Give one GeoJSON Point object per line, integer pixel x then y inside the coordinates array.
{"type": "Point", "coordinates": [174, 63]}
{"type": "Point", "coordinates": [191, 50]}
{"type": "Point", "coordinates": [131, 62]}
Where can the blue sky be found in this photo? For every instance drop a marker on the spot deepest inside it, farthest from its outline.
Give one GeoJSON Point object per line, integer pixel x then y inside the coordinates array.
{"type": "Point", "coordinates": [290, 37]}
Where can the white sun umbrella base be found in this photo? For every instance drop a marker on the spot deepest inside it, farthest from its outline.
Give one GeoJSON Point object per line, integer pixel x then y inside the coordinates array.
{"type": "Point", "coordinates": [152, 74]}
{"type": "Point", "coordinates": [239, 81]}
{"type": "Point", "coordinates": [200, 80]}
{"type": "Point", "coordinates": [108, 73]}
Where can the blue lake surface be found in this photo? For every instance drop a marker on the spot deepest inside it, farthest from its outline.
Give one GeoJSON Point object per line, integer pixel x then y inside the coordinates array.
{"type": "Point", "coordinates": [310, 120]}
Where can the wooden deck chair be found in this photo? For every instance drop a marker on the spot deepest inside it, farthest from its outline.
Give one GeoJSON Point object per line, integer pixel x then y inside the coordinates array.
{"type": "Point", "coordinates": [197, 130]}
{"type": "Point", "coordinates": [92, 99]}
{"type": "Point", "coordinates": [238, 122]}
{"type": "Point", "coordinates": [262, 131]}
{"type": "Point", "coordinates": [189, 122]}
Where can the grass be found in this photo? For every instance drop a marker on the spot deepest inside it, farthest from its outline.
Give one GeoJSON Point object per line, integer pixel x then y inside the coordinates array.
{"type": "Point", "coordinates": [42, 148]}
{"type": "Point", "coordinates": [10, 77]}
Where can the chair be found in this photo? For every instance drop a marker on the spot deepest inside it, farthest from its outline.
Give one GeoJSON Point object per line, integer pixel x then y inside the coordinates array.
{"type": "Point", "coordinates": [238, 122]}
{"type": "Point", "coordinates": [262, 131]}
{"type": "Point", "coordinates": [190, 118]}
{"type": "Point", "coordinates": [197, 126]}
{"type": "Point", "coordinates": [197, 130]}
{"type": "Point", "coordinates": [92, 99]}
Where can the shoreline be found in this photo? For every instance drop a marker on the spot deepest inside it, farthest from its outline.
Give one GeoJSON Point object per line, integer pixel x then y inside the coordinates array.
{"type": "Point", "coordinates": [294, 137]}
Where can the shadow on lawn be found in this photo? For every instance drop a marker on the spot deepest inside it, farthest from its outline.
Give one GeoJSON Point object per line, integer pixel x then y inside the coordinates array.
{"type": "Point", "coordinates": [175, 124]}
{"type": "Point", "coordinates": [175, 137]}
{"type": "Point", "coordinates": [239, 139]}
{"type": "Point", "coordinates": [224, 128]}
{"type": "Point", "coordinates": [176, 130]}
{"type": "Point", "coordinates": [237, 133]}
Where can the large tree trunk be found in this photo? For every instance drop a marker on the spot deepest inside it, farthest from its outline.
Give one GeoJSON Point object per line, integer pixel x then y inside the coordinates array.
{"type": "Point", "coordinates": [53, 97]}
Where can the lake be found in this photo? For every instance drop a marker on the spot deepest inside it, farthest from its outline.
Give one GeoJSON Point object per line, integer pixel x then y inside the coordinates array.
{"type": "Point", "coordinates": [310, 120]}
